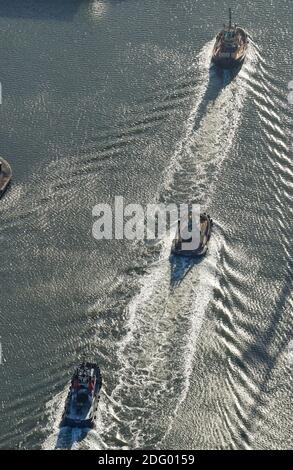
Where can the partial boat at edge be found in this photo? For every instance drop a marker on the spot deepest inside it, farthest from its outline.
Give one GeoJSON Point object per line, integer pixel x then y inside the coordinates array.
{"type": "Point", "coordinates": [5, 175]}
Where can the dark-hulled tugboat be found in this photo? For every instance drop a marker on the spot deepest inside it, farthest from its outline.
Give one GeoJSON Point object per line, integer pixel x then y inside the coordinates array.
{"type": "Point", "coordinates": [5, 175]}
{"type": "Point", "coordinates": [83, 397]}
{"type": "Point", "coordinates": [230, 47]}
{"type": "Point", "coordinates": [206, 224]}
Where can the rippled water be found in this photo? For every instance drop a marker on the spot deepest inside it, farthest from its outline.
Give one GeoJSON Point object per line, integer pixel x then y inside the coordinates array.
{"type": "Point", "coordinates": [105, 98]}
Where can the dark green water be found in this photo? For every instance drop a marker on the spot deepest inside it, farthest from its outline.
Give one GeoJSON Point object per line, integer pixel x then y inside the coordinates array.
{"type": "Point", "coordinates": [106, 98]}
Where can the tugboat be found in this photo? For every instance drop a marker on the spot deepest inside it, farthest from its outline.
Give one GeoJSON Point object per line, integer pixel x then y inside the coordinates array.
{"type": "Point", "coordinates": [230, 47]}
{"type": "Point", "coordinates": [206, 224]}
{"type": "Point", "coordinates": [5, 175]}
{"type": "Point", "coordinates": [83, 397]}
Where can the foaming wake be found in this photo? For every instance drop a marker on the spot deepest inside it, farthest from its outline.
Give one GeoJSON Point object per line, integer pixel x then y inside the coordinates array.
{"type": "Point", "coordinates": [210, 134]}
{"type": "Point", "coordinates": [202, 65]}
{"type": "Point", "coordinates": [202, 286]}
{"type": "Point", "coordinates": [156, 354]}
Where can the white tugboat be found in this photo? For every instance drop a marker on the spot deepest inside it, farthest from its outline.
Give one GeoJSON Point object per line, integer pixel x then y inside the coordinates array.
{"type": "Point", "coordinates": [83, 397]}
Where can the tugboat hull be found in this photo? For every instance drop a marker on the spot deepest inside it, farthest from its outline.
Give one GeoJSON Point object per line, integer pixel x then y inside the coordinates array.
{"type": "Point", "coordinates": [228, 63]}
